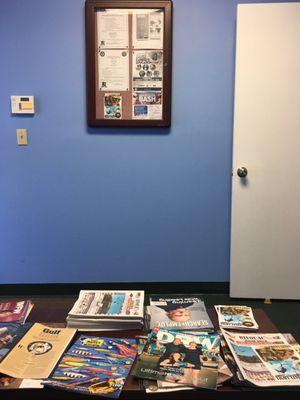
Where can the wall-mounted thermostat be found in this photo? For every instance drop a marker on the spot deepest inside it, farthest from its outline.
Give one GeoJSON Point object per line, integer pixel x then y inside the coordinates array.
{"type": "Point", "coordinates": [22, 104]}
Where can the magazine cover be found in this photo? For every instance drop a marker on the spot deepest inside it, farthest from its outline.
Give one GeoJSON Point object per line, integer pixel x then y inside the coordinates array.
{"type": "Point", "coordinates": [108, 303]}
{"type": "Point", "coordinates": [15, 311]}
{"type": "Point", "coordinates": [180, 313]}
{"type": "Point", "coordinates": [37, 352]}
{"type": "Point", "coordinates": [95, 365]}
{"type": "Point", "coordinates": [172, 356]}
{"type": "Point", "coordinates": [236, 317]}
{"type": "Point", "coordinates": [10, 334]}
{"type": "Point", "coordinates": [265, 359]}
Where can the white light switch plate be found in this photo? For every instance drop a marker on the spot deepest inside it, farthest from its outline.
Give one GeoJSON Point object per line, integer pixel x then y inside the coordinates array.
{"type": "Point", "coordinates": [22, 137]}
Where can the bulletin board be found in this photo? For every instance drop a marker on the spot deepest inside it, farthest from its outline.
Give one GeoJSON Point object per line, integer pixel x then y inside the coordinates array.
{"type": "Point", "coordinates": [129, 63]}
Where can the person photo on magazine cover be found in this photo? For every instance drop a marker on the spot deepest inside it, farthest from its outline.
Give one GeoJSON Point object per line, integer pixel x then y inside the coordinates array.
{"type": "Point", "coordinates": [176, 360]}
{"type": "Point", "coordinates": [176, 352]}
{"type": "Point", "coordinates": [177, 312]}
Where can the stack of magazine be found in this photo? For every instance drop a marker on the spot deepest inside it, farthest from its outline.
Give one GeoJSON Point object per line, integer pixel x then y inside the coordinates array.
{"type": "Point", "coordinates": [236, 317]}
{"type": "Point", "coordinates": [107, 310]}
{"type": "Point", "coordinates": [185, 312]}
{"type": "Point", "coordinates": [262, 359]}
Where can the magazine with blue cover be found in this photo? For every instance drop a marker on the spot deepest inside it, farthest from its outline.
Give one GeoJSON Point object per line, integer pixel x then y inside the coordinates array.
{"type": "Point", "coordinates": [95, 365]}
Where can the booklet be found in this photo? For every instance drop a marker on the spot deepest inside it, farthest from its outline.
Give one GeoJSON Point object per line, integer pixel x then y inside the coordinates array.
{"type": "Point", "coordinates": [37, 353]}
{"type": "Point", "coordinates": [10, 334]}
{"type": "Point", "coordinates": [184, 358]}
{"type": "Point", "coordinates": [180, 313]}
{"type": "Point", "coordinates": [236, 317]}
{"type": "Point", "coordinates": [95, 365]}
{"type": "Point", "coordinates": [265, 359]}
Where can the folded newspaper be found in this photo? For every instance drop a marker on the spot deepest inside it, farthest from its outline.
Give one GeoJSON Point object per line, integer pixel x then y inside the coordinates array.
{"type": "Point", "coordinates": [236, 317]}
{"type": "Point", "coordinates": [107, 310]}
{"type": "Point", "coordinates": [265, 359]}
{"type": "Point", "coordinates": [180, 313]}
{"type": "Point", "coordinates": [182, 358]}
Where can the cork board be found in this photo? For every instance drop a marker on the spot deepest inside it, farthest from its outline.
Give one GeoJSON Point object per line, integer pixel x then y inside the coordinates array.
{"type": "Point", "coordinates": [129, 47]}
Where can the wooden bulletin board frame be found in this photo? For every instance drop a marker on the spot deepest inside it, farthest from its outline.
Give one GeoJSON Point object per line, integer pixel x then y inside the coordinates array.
{"type": "Point", "coordinates": [135, 106]}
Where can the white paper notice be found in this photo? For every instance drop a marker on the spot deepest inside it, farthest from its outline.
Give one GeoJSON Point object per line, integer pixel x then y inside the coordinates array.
{"type": "Point", "coordinates": [112, 28]}
{"type": "Point", "coordinates": [147, 29]}
{"type": "Point", "coordinates": [147, 69]}
{"type": "Point", "coordinates": [113, 67]}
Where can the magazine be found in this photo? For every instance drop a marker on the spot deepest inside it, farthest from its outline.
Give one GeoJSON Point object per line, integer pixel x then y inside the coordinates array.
{"type": "Point", "coordinates": [173, 356]}
{"type": "Point", "coordinates": [37, 352]}
{"type": "Point", "coordinates": [107, 310]}
{"type": "Point", "coordinates": [15, 311]}
{"type": "Point", "coordinates": [236, 317]}
{"type": "Point", "coordinates": [265, 359]}
{"type": "Point", "coordinates": [109, 303]}
{"type": "Point", "coordinates": [10, 334]}
{"type": "Point", "coordinates": [180, 313]}
{"type": "Point", "coordinates": [224, 374]}
{"type": "Point", "coordinates": [95, 365]}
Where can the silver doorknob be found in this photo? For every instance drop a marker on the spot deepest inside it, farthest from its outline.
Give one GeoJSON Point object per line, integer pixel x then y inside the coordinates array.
{"type": "Point", "coordinates": [242, 172]}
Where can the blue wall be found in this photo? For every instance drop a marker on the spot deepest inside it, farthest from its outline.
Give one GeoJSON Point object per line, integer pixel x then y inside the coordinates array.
{"type": "Point", "coordinates": [81, 204]}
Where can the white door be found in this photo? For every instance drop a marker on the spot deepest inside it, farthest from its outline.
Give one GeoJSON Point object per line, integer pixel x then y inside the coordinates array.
{"type": "Point", "coordinates": [265, 225]}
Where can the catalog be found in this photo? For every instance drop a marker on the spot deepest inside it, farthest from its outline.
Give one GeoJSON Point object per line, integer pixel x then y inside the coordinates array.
{"type": "Point", "coordinates": [180, 313]}
{"type": "Point", "coordinates": [95, 365]}
{"type": "Point", "coordinates": [265, 359]}
{"type": "Point", "coordinates": [109, 303]}
{"type": "Point", "coordinates": [173, 356]}
{"type": "Point", "coordinates": [36, 354]}
{"type": "Point", "coordinates": [236, 317]}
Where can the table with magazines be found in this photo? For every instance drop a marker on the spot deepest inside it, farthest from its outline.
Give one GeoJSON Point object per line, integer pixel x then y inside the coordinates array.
{"type": "Point", "coordinates": [52, 311]}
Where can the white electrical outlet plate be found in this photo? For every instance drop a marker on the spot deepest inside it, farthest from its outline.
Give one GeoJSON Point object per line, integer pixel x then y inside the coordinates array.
{"type": "Point", "coordinates": [22, 137]}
